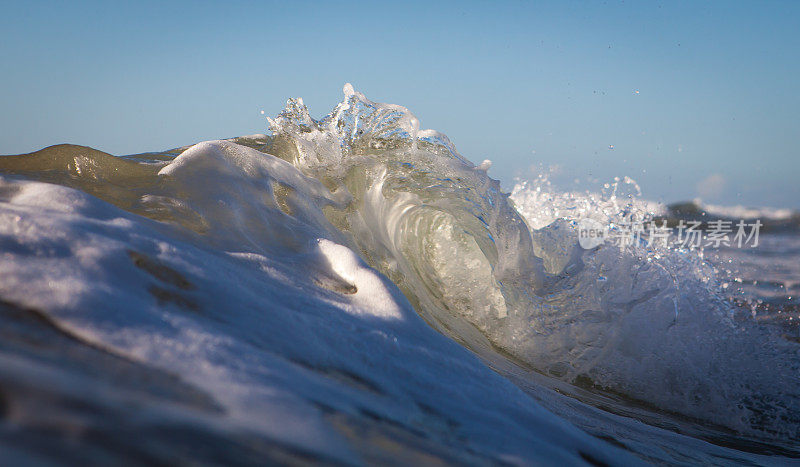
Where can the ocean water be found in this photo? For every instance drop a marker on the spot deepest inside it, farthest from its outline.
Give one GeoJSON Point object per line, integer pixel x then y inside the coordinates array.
{"type": "Point", "coordinates": [353, 290]}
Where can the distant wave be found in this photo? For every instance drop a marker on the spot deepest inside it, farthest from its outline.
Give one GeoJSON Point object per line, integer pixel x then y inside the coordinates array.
{"type": "Point", "coordinates": [773, 219]}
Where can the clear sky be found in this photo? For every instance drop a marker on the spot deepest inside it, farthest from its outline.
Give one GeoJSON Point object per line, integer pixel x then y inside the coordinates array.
{"type": "Point", "coordinates": [696, 98]}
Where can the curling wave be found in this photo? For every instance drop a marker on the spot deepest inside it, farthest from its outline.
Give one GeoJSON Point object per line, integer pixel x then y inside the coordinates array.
{"type": "Point", "coordinates": [648, 322]}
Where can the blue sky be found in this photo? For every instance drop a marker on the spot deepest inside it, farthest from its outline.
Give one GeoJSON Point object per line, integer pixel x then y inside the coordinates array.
{"type": "Point", "coordinates": [522, 83]}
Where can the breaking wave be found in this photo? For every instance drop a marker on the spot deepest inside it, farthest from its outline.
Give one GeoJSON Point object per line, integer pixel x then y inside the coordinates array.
{"type": "Point", "coordinates": [647, 322]}
{"type": "Point", "coordinates": [501, 274]}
